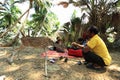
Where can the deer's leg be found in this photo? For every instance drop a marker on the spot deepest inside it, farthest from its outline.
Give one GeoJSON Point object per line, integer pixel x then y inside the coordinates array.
{"type": "Point", "coordinates": [18, 51]}
{"type": "Point", "coordinates": [11, 58]}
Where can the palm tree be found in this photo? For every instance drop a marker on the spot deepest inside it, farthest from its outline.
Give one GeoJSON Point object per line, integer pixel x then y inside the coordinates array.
{"type": "Point", "coordinates": [9, 19]}
{"type": "Point", "coordinates": [8, 15]}
{"type": "Point", "coordinates": [100, 12]}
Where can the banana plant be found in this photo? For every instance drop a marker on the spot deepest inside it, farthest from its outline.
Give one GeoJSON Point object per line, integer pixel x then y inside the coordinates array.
{"type": "Point", "coordinates": [44, 22]}
{"type": "Point", "coordinates": [8, 16]}
{"type": "Point", "coordinates": [100, 12]}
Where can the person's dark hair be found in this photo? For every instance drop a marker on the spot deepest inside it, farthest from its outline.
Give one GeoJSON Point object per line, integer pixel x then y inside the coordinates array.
{"type": "Point", "coordinates": [93, 29]}
{"type": "Point", "coordinates": [80, 39]}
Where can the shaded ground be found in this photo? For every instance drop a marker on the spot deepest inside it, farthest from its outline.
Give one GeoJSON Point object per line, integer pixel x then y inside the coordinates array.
{"type": "Point", "coordinates": [31, 67]}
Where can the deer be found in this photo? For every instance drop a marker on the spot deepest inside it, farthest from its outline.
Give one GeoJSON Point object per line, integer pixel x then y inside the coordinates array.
{"type": "Point", "coordinates": [36, 42]}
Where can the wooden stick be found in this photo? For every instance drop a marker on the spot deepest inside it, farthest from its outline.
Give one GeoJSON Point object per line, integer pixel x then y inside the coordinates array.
{"type": "Point", "coordinates": [46, 74]}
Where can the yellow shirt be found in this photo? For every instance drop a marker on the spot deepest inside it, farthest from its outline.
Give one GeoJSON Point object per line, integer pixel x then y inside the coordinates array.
{"type": "Point", "coordinates": [99, 48]}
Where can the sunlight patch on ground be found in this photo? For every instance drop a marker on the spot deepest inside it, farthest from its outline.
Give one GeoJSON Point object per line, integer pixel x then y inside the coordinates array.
{"type": "Point", "coordinates": [114, 67]}
{"type": "Point", "coordinates": [35, 75]}
{"type": "Point", "coordinates": [2, 53]}
{"type": "Point", "coordinates": [99, 77]}
{"type": "Point", "coordinates": [13, 68]}
{"type": "Point", "coordinates": [66, 66]}
{"type": "Point", "coordinates": [29, 57]}
{"type": "Point", "coordinates": [9, 78]}
{"type": "Point", "coordinates": [78, 74]}
{"type": "Point", "coordinates": [72, 62]}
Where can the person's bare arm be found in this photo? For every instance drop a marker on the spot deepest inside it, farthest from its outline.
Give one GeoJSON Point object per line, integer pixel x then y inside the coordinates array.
{"type": "Point", "coordinates": [85, 48]}
{"type": "Point", "coordinates": [79, 45]}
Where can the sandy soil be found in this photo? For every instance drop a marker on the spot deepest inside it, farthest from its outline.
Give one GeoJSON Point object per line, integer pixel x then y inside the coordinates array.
{"type": "Point", "coordinates": [31, 67]}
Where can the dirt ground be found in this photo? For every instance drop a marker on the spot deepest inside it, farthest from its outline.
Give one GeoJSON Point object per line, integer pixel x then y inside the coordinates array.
{"type": "Point", "coordinates": [31, 67]}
